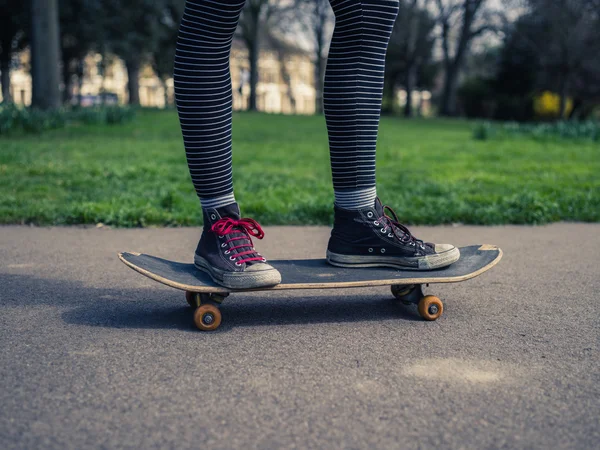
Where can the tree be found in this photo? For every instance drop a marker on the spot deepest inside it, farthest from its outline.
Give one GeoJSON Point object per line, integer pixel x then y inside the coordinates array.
{"type": "Point", "coordinates": [13, 38]}
{"type": "Point", "coordinates": [45, 54]}
{"type": "Point", "coordinates": [316, 20]}
{"type": "Point", "coordinates": [131, 29]}
{"type": "Point", "coordinates": [460, 21]}
{"type": "Point", "coordinates": [78, 35]}
{"type": "Point", "coordinates": [567, 42]}
{"type": "Point", "coordinates": [551, 47]}
{"type": "Point", "coordinates": [163, 55]}
{"type": "Point", "coordinates": [409, 52]}
{"type": "Point", "coordinates": [254, 14]}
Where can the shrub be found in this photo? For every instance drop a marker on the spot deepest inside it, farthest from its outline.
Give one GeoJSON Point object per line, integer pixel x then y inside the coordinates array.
{"type": "Point", "coordinates": [483, 131]}
{"type": "Point", "coordinates": [31, 120]}
{"type": "Point", "coordinates": [476, 97]}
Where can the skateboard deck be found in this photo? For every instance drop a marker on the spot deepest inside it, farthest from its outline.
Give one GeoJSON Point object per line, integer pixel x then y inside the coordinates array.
{"type": "Point", "coordinates": [203, 293]}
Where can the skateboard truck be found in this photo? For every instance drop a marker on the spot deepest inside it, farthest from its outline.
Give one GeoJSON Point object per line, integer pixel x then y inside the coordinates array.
{"type": "Point", "coordinates": [430, 307]}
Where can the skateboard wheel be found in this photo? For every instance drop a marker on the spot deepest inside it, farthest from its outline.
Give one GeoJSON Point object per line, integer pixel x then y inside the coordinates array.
{"type": "Point", "coordinates": [207, 317]}
{"type": "Point", "coordinates": [430, 307]}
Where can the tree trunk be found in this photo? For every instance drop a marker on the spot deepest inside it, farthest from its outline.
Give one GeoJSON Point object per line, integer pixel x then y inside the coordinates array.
{"type": "Point", "coordinates": [563, 96]}
{"type": "Point", "coordinates": [5, 77]}
{"type": "Point", "coordinates": [389, 83]}
{"type": "Point", "coordinates": [67, 81]}
{"type": "Point", "coordinates": [165, 91]}
{"type": "Point", "coordinates": [80, 74]}
{"type": "Point", "coordinates": [411, 75]}
{"type": "Point", "coordinates": [319, 76]}
{"type": "Point", "coordinates": [45, 54]}
{"type": "Point", "coordinates": [253, 55]}
{"type": "Point", "coordinates": [447, 107]}
{"type": "Point", "coordinates": [319, 85]}
{"type": "Point", "coordinates": [133, 81]}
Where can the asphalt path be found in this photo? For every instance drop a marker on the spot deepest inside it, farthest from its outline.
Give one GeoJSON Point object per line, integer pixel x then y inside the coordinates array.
{"type": "Point", "coordinates": [94, 355]}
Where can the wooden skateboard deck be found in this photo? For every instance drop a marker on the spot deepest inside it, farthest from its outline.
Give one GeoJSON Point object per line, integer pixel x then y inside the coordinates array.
{"type": "Point", "coordinates": [205, 294]}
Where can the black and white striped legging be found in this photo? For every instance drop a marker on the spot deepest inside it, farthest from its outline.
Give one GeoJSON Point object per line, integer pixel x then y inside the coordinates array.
{"type": "Point", "coordinates": [352, 95]}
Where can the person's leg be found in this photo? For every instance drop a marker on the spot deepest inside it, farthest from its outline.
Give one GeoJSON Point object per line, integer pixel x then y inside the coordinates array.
{"type": "Point", "coordinates": [204, 102]}
{"type": "Point", "coordinates": [363, 235]}
{"type": "Point", "coordinates": [203, 95]}
{"type": "Point", "coordinates": [352, 95]}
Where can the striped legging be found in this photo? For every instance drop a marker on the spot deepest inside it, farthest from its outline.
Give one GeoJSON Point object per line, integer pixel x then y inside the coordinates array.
{"type": "Point", "coordinates": [352, 94]}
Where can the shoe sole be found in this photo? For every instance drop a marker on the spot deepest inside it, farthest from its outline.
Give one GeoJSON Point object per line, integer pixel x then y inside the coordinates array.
{"type": "Point", "coordinates": [428, 262]}
{"type": "Point", "coordinates": [238, 280]}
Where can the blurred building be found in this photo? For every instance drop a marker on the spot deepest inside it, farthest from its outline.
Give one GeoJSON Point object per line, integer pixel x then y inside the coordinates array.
{"type": "Point", "coordinates": [286, 81]}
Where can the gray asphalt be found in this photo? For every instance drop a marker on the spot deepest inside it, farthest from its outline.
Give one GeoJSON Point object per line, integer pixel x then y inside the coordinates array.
{"type": "Point", "coordinates": [93, 355]}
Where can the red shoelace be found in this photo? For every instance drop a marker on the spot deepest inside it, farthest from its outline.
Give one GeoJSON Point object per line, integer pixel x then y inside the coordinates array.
{"type": "Point", "coordinates": [247, 227]}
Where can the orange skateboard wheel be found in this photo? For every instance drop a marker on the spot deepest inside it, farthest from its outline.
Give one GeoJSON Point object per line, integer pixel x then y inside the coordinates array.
{"type": "Point", "coordinates": [207, 317]}
{"type": "Point", "coordinates": [430, 307]}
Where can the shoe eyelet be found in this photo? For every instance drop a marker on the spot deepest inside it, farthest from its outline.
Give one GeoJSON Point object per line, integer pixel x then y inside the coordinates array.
{"type": "Point", "coordinates": [213, 217]}
{"type": "Point", "coordinates": [376, 223]}
{"type": "Point", "coordinates": [382, 230]}
{"type": "Point", "coordinates": [237, 264]}
{"type": "Point", "coordinates": [370, 250]}
{"type": "Point", "coordinates": [369, 214]}
{"type": "Point", "coordinates": [223, 245]}
{"type": "Point", "coordinates": [264, 260]}
{"type": "Point", "coordinates": [227, 252]}
{"type": "Point", "coordinates": [383, 250]}
{"type": "Point", "coordinates": [232, 258]}
{"type": "Point", "coordinates": [390, 235]}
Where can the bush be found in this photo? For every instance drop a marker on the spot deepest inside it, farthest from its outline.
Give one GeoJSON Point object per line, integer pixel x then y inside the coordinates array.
{"type": "Point", "coordinates": [483, 131]}
{"type": "Point", "coordinates": [476, 97]}
{"type": "Point", "coordinates": [31, 120]}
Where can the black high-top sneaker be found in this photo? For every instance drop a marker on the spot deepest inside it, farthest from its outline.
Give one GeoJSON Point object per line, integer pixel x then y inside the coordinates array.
{"type": "Point", "coordinates": [370, 238]}
{"type": "Point", "coordinates": [226, 251]}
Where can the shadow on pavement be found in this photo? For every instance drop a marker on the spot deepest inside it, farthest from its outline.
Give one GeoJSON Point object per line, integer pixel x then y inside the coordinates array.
{"type": "Point", "coordinates": [162, 308]}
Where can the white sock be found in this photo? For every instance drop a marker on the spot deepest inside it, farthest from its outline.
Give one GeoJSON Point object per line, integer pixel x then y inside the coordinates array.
{"type": "Point", "coordinates": [354, 200]}
{"type": "Point", "coordinates": [217, 202]}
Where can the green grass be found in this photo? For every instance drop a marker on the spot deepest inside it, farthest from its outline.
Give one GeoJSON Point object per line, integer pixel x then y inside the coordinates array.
{"type": "Point", "coordinates": [429, 171]}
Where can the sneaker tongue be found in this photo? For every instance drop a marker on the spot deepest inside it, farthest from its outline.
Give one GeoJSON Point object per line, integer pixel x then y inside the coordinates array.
{"type": "Point", "coordinates": [232, 210]}
{"type": "Point", "coordinates": [378, 207]}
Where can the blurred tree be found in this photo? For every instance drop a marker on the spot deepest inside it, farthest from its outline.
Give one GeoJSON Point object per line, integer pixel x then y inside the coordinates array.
{"type": "Point", "coordinates": [515, 80]}
{"type": "Point", "coordinates": [410, 52]}
{"type": "Point", "coordinates": [565, 34]}
{"type": "Point", "coordinates": [131, 30]}
{"type": "Point", "coordinates": [45, 54]}
{"type": "Point", "coordinates": [254, 15]}
{"type": "Point", "coordinates": [260, 18]}
{"type": "Point", "coordinates": [78, 30]}
{"type": "Point", "coordinates": [316, 21]}
{"type": "Point", "coordinates": [13, 38]}
{"type": "Point", "coordinates": [460, 21]}
{"type": "Point", "coordinates": [163, 54]}
{"type": "Point", "coordinates": [553, 47]}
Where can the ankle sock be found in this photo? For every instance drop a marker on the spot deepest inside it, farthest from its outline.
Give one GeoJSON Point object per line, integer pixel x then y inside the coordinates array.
{"type": "Point", "coordinates": [356, 199]}
{"type": "Point", "coordinates": [217, 202]}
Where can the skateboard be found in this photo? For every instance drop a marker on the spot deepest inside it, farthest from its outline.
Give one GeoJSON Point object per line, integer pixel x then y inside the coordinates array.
{"type": "Point", "coordinates": [203, 294]}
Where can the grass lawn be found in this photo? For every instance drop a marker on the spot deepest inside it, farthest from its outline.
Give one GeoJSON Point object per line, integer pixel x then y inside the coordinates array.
{"type": "Point", "coordinates": [429, 171]}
